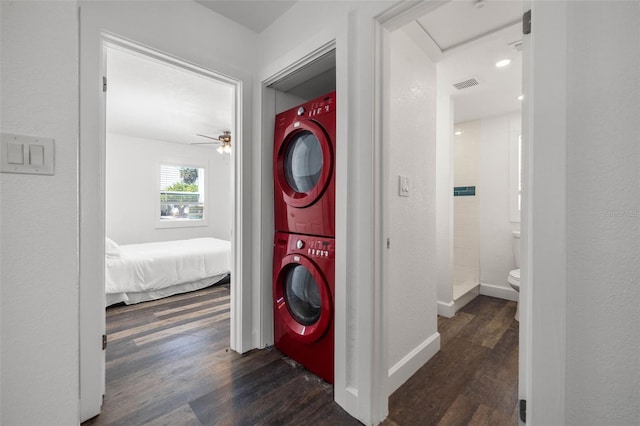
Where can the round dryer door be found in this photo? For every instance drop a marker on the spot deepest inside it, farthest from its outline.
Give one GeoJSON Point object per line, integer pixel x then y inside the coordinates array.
{"type": "Point", "coordinates": [305, 163]}
{"type": "Point", "coordinates": [303, 299]}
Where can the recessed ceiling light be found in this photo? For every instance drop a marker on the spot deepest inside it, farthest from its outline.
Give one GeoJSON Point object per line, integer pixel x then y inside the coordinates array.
{"type": "Point", "coordinates": [458, 132]}
{"type": "Point", "coordinates": [503, 63]}
{"type": "Point", "coordinates": [521, 97]}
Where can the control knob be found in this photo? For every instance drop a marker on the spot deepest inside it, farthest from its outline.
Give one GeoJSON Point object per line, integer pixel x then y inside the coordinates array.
{"type": "Point", "coordinates": [299, 244]}
{"type": "Point", "coordinates": [300, 111]}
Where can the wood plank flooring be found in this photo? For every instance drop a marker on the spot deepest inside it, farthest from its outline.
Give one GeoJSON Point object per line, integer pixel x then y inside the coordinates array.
{"type": "Point", "coordinates": [473, 380]}
{"type": "Point", "coordinates": [169, 363]}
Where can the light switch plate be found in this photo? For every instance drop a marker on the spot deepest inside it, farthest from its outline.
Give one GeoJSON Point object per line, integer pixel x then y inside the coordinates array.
{"type": "Point", "coordinates": [403, 190]}
{"type": "Point", "coordinates": [37, 154]}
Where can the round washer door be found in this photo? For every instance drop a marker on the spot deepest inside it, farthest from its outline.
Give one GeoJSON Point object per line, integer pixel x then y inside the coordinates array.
{"type": "Point", "coordinates": [303, 299]}
{"type": "Point", "coordinates": [304, 163]}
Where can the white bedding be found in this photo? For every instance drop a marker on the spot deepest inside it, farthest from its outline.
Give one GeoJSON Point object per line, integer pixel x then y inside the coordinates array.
{"type": "Point", "coordinates": [149, 267]}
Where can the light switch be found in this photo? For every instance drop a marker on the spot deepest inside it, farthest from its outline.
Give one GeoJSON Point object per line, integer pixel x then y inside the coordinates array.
{"type": "Point", "coordinates": [36, 155]}
{"type": "Point", "coordinates": [26, 154]}
{"type": "Point", "coordinates": [15, 153]}
{"type": "Point", "coordinates": [404, 186]}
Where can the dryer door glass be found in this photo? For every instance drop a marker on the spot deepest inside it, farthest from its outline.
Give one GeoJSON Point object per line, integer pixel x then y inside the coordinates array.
{"type": "Point", "coordinates": [302, 295]}
{"type": "Point", "coordinates": [303, 162]}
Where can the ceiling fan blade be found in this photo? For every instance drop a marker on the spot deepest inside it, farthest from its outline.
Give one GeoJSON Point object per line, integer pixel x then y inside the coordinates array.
{"type": "Point", "coordinates": [208, 137]}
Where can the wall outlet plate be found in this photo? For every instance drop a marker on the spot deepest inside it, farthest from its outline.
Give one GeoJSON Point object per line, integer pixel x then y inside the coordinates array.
{"type": "Point", "coordinates": [26, 154]}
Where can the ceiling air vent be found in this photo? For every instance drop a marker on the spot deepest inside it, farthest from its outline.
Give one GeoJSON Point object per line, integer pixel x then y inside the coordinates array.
{"type": "Point", "coordinates": [465, 84]}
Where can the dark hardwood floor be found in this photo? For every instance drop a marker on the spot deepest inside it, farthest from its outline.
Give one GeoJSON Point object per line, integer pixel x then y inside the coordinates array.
{"type": "Point", "coordinates": [473, 380]}
{"type": "Point", "coordinates": [169, 363]}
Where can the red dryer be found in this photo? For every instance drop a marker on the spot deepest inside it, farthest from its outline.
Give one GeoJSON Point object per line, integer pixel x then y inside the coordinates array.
{"type": "Point", "coordinates": [304, 168]}
{"type": "Point", "coordinates": [303, 294]}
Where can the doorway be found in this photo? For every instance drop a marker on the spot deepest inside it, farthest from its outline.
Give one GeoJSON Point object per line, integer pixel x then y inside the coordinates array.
{"type": "Point", "coordinates": [93, 197]}
{"type": "Point", "coordinates": [447, 30]}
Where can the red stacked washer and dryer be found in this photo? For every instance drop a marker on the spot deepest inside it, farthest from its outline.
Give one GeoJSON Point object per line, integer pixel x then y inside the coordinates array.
{"type": "Point", "coordinates": [304, 242]}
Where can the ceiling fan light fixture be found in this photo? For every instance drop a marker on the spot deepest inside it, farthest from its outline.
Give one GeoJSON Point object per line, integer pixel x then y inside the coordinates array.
{"type": "Point", "coordinates": [224, 140]}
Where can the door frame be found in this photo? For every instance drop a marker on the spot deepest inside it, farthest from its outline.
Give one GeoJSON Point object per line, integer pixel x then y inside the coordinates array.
{"type": "Point", "coordinates": [393, 19]}
{"type": "Point", "coordinates": [92, 214]}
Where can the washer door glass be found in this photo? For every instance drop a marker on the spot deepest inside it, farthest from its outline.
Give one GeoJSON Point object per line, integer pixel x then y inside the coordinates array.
{"type": "Point", "coordinates": [303, 161]}
{"type": "Point", "coordinates": [302, 295]}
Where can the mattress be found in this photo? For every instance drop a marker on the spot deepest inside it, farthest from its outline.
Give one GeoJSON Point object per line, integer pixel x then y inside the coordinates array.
{"type": "Point", "coordinates": [137, 268]}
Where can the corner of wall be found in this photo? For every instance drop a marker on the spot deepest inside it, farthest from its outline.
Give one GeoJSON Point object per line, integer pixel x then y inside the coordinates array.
{"type": "Point", "coordinates": [401, 371]}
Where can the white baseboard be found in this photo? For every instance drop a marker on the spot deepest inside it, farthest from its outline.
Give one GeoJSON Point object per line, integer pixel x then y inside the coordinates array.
{"type": "Point", "coordinates": [461, 301]}
{"type": "Point", "coordinates": [446, 309]}
{"type": "Point", "coordinates": [407, 366]}
{"type": "Point", "coordinates": [449, 309]}
{"type": "Point", "coordinates": [498, 291]}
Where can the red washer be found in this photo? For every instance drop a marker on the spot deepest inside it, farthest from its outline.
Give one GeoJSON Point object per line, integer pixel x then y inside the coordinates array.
{"type": "Point", "coordinates": [303, 300]}
{"type": "Point", "coordinates": [304, 168]}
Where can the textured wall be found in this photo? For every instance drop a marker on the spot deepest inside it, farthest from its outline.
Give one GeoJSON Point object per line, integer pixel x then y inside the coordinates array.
{"type": "Point", "coordinates": [39, 287]}
{"type": "Point", "coordinates": [411, 278]}
{"type": "Point", "coordinates": [603, 203]}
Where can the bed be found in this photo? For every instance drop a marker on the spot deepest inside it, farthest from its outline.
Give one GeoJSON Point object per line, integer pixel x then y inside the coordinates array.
{"type": "Point", "coordinates": [140, 272]}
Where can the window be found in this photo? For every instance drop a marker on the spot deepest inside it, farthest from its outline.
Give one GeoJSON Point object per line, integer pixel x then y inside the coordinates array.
{"type": "Point", "coordinates": [515, 174]}
{"type": "Point", "coordinates": [182, 196]}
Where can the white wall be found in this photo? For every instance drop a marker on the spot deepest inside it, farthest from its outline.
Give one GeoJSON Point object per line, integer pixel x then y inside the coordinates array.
{"type": "Point", "coordinates": [483, 154]}
{"type": "Point", "coordinates": [39, 283]}
{"type": "Point", "coordinates": [444, 201]}
{"type": "Point", "coordinates": [466, 218]}
{"type": "Point", "coordinates": [285, 101]}
{"type": "Point", "coordinates": [496, 239]}
{"type": "Point", "coordinates": [584, 360]}
{"type": "Point", "coordinates": [132, 189]}
{"type": "Point", "coordinates": [603, 213]}
{"type": "Point", "coordinates": [410, 280]}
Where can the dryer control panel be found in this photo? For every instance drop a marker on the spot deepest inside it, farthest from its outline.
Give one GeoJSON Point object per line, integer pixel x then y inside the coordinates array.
{"type": "Point", "coordinates": [319, 107]}
{"type": "Point", "coordinates": [321, 248]}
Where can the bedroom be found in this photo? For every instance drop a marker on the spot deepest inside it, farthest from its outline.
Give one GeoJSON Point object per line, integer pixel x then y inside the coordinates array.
{"type": "Point", "coordinates": [168, 181]}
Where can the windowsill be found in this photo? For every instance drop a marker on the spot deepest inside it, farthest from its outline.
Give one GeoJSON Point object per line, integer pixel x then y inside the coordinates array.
{"type": "Point", "coordinates": [181, 223]}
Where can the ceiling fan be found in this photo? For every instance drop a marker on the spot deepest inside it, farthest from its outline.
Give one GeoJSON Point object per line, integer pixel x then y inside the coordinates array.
{"type": "Point", "coordinates": [224, 140]}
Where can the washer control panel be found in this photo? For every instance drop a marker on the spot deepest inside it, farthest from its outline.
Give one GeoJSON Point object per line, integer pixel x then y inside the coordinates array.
{"type": "Point", "coordinates": [312, 247]}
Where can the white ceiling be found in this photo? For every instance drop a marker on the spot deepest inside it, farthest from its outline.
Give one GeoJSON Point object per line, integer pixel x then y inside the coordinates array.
{"type": "Point", "coordinates": [255, 15]}
{"type": "Point", "coordinates": [498, 89]}
{"type": "Point", "coordinates": [461, 21]}
{"type": "Point", "coordinates": [154, 100]}
{"type": "Point", "coordinates": [466, 41]}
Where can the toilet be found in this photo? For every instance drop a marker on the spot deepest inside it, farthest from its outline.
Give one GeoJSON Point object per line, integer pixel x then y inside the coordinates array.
{"type": "Point", "coordinates": [514, 276]}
